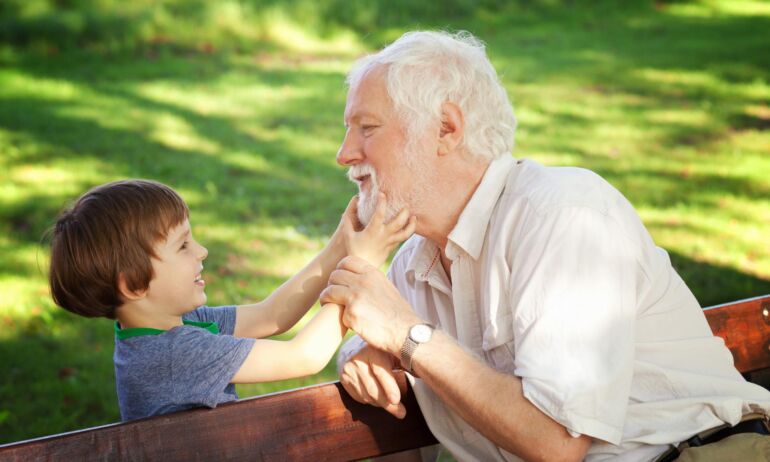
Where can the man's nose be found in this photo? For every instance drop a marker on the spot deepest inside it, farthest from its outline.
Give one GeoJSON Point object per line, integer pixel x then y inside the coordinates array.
{"type": "Point", "coordinates": [350, 152]}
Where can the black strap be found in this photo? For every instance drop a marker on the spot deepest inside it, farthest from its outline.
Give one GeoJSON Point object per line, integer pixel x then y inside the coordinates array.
{"type": "Point", "coordinates": [758, 425]}
{"type": "Point", "coordinates": [747, 426]}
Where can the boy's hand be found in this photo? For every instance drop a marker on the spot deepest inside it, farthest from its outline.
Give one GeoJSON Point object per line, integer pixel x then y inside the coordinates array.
{"type": "Point", "coordinates": [374, 242]}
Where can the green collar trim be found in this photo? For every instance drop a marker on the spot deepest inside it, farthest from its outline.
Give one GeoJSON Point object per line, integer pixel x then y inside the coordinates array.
{"type": "Point", "coordinates": [123, 334]}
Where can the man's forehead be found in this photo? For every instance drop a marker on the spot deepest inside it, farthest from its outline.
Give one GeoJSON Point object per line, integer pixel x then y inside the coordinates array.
{"type": "Point", "coordinates": [367, 97]}
{"type": "Point", "coordinates": [354, 114]}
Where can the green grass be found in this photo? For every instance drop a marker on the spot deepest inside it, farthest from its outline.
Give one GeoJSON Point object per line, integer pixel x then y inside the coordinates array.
{"type": "Point", "coordinates": [670, 103]}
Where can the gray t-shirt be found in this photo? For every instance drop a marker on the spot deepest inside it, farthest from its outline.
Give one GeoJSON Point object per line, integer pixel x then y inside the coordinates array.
{"type": "Point", "coordinates": [157, 372]}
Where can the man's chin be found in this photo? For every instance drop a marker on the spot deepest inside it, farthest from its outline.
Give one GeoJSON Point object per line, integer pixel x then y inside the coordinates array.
{"type": "Point", "coordinates": [365, 210]}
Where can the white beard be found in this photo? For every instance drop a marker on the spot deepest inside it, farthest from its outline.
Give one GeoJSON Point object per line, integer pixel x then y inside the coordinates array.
{"type": "Point", "coordinates": [413, 197]}
{"type": "Point", "coordinates": [367, 199]}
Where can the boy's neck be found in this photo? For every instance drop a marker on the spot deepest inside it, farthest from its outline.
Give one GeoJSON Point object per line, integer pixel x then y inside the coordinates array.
{"type": "Point", "coordinates": [132, 315]}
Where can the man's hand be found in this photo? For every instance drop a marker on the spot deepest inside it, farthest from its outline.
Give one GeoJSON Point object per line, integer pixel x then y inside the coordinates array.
{"type": "Point", "coordinates": [369, 378]}
{"type": "Point", "coordinates": [373, 307]}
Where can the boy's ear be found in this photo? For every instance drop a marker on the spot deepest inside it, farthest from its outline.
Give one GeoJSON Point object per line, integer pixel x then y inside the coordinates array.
{"type": "Point", "coordinates": [128, 294]}
{"type": "Point", "coordinates": [452, 128]}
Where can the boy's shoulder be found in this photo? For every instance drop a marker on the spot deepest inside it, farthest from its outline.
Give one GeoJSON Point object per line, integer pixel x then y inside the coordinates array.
{"type": "Point", "coordinates": [177, 369]}
{"type": "Point", "coordinates": [222, 316]}
{"type": "Point", "coordinates": [155, 351]}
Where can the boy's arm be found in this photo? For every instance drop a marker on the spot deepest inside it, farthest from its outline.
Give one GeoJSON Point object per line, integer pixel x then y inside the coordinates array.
{"type": "Point", "coordinates": [306, 354]}
{"type": "Point", "coordinates": [312, 348]}
{"type": "Point", "coordinates": [287, 304]}
{"type": "Point", "coordinates": [284, 307]}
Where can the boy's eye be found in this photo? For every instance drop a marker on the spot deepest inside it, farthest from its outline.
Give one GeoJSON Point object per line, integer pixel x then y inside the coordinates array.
{"type": "Point", "coordinates": [184, 245]}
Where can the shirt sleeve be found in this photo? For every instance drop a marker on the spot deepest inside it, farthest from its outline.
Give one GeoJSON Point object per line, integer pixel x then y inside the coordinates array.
{"type": "Point", "coordinates": [203, 364]}
{"type": "Point", "coordinates": [574, 315]}
{"type": "Point", "coordinates": [223, 316]}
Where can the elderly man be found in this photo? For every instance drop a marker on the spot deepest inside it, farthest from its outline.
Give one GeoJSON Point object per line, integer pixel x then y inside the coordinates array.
{"type": "Point", "coordinates": [535, 313]}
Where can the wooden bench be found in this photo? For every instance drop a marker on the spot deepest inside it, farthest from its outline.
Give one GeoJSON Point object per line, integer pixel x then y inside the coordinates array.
{"type": "Point", "coordinates": [322, 422]}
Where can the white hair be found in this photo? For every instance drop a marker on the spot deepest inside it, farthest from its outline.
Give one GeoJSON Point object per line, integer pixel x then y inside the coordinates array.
{"type": "Point", "coordinates": [425, 69]}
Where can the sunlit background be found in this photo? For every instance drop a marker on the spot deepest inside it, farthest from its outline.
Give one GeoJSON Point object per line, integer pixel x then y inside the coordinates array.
{"type": "Point", "coordinates": [238, 106]}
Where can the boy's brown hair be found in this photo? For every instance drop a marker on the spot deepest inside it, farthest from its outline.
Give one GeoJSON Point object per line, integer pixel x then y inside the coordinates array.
{"type": "Point", "coordinates": [111, 230]}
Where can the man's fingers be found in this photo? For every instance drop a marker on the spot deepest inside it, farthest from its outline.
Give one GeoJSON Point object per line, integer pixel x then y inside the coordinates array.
{"type": "Point", "coordinates": [354, 264]}
{"type": "Point", "coordinates": [398, 410]}
{"type": "Point", "coordinates": [369, 378]}
{"type": "Point", "coordinates": [370, 386]}
{"type": "Point", "coordinates": [336, 294]}
{"type": "Point", "coordinates": [353, 388]}
{"type": "Point", "coordinates": [341, 277]}
{"type": "Point", "coordinates": [349, 381]}
{"type": "Point", "coordinates": [358, 380]}
{"type": "Point", "coordinates": [388, 383]}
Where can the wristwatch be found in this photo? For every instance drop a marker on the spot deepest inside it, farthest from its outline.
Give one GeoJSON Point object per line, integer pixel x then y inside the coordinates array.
{"type": "Point", "coordinates": [418, 333]}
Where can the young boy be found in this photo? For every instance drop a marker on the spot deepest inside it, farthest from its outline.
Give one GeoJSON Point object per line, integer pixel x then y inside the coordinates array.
{"type": "Point", "coordinates": [125, 251]}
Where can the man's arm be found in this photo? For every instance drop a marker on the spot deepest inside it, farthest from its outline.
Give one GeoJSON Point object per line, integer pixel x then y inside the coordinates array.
{"type": "Point", "coordinates": [493, 403]}
{"type": "Point", "coordinates": [490, 401]}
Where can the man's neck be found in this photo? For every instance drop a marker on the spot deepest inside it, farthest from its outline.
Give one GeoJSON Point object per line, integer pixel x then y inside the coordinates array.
{"type": "Point", "coordinates": [449, 198]}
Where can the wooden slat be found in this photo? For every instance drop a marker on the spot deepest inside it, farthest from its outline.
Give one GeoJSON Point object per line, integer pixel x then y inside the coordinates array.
{"type": "Point", "coordinates": [745, 327]}
{"type": "Point", "coordinates": [315, 423]}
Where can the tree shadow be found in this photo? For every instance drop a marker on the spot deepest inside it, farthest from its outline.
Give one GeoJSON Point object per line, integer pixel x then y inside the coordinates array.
{"type": "Point", "coordinates": [288, 173]}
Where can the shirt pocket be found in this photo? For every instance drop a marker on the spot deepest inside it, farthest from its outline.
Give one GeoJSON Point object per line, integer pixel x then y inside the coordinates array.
{"type": "Point", "coordinates": [498, 343]}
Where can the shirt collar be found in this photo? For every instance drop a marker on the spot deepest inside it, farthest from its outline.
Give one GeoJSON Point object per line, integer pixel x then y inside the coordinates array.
{"type": "Point", "coordinates": [424, 257]}
{"type": "Point", "coordinates": [468, 234]}
{"type": "Point", "coordinates": [123, 334]}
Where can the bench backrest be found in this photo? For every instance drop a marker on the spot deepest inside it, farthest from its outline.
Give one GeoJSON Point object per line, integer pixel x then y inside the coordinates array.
{"type": "Point", "coordinates": [315, 423]}
{"type": "Point", "coordinates": [320, 422]}
{"type": "Point", "coordinates": [745, 327]}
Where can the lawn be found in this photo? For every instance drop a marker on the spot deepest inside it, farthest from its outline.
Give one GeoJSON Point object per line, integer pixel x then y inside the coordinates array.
{"type": "Point", "coordinates": [240, 110]}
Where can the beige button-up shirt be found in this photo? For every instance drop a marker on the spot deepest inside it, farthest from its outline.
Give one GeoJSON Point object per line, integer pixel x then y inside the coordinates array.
{"type": "Point", "coordinates": [556, 280]}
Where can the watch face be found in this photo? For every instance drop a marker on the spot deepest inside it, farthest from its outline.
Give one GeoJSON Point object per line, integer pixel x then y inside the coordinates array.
{"type": "Point", "coordinates": [420, 333]}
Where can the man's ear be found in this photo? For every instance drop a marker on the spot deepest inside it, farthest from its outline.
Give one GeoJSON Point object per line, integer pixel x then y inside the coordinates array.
{"type": "Point", "coordinates": [452, 128]}
{"type": "Point", "coordinates": [128, 294]}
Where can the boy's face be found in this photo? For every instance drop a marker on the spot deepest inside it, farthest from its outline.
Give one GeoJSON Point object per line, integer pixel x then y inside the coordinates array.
{"type": "Point", "coordinates": [177, 286]}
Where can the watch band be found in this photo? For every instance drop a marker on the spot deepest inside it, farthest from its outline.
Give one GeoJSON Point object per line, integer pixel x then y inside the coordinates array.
{"type": "Point", "coordinates": [410, 345]}
{"type": "Point", "coordinates": [407, 351]}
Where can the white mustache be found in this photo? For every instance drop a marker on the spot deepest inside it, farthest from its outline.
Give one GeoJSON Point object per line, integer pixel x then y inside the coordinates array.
{"type": "Point", "coordinates": [357, 171]}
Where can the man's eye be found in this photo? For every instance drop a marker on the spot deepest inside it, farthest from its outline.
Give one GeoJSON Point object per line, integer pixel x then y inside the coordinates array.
{"type": "Point", "coordinates": [368, 128]}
